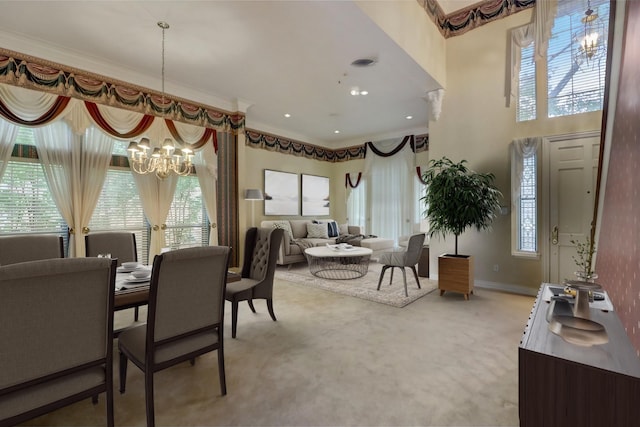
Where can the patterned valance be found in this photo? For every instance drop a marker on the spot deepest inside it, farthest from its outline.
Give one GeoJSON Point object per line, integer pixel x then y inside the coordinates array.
{"type": "Point", "coordinates": [264, 141]}
{"type": "Point", "coordinates": [474, 16]}
{"type": "Point", "coordinates": [34, 73]}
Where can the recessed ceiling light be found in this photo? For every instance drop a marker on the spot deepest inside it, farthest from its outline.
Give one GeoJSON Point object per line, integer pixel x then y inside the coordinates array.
{"type": "Point", "coordinates": [364, 92]}
{"type": "Point", "coordinates": [355, 92]}
{"type": "Point", "coordinates": [409, 117]}
{"type": "Point", "coordinates": [363, 62]}
{"type": "Point", "coordinates": [336, 131]}
{"type": "Point", "coordinates": [287, 115]}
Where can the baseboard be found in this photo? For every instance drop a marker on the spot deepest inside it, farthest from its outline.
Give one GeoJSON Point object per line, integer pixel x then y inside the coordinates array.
{"type": "Point", "coordinates": [505, 287]}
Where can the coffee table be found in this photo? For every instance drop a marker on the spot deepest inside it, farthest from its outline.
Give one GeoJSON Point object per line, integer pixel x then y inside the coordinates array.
{"type": "Point", "coordinates": [341, 264]}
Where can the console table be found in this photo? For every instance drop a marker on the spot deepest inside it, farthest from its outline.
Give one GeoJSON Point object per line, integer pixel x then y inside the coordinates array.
{"type": "Point", "coordinates": [563, 384]}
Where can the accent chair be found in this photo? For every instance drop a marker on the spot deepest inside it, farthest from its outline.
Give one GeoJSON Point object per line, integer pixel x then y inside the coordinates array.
{"type": "Point", "coordinates": [401, 259]}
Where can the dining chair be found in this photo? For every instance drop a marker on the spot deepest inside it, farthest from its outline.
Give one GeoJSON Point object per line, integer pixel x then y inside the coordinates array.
{"type": "Point", "coordinates": [401, 259]}
{"type": "Point", "coordinates": [120, 244]}
{"type": "Point", "coordinates": [260, 255]}
{"type": "Point", "coordinates": [30, 247]}
{"type": "Point", "coordinates": [185, 316]}
{"type": "Point", "coordinates": [56, 330]}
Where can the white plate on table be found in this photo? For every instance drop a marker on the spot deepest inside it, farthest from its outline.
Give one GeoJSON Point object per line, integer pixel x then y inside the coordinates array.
{"type": "Point", "coordinates": [133, 279]}
{"type": "Point", "coordinates": [121, 269]}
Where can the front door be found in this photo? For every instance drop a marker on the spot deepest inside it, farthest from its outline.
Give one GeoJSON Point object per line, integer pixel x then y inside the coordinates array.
{"type": "Point", "coordinates": [573, 165]}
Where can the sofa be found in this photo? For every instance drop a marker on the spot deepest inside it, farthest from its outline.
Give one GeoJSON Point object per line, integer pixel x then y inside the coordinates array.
{"type": "Point", "coordinates": [293, 245]}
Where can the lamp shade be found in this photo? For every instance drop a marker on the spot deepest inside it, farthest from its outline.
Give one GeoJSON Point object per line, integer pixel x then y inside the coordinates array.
{"type": "Point", "coordinates": [253, 194]}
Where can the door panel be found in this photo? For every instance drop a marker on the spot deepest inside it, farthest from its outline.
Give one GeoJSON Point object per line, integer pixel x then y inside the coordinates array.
{"type": "Point", "coordinates": [572, 170]}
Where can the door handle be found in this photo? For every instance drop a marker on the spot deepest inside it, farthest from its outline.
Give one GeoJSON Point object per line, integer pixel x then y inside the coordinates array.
{"type": "Point", "coordinates": [554, 236]}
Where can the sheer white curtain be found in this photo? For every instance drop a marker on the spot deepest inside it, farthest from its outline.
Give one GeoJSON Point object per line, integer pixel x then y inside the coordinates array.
{"type": "Point", "coordinates": [156, 196]}
{"type": "Point", "coordinates": [8, 133]}
{"type": "Point", "coordinates": [521, 149]}
{"type": "Point", "coordinates": [391, 192]}
{"type": "Point", "coordinates": [206, 162]}
{"type": "Point", "coordinates": [75, 167]}
{"type": "Point", "coordinates": [538, 31]}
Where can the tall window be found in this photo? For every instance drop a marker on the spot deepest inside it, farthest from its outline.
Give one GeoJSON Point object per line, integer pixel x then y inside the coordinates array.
{"type": "Point", "coordinates": [575, 83]}
{"type": "Point", "coordinates": [357, 206]}
{"type": "Point", "coordinates": [524, 194]}
{"type": "Point", "coordinates": [527, 209]}
{"type": "Point", "coordinates": [27, 205]}
{"type": "Point", "coordinates": [119, 209]}
{"type": "Point", "coordinates": [187, 223]}
{"type": "Point", "coordinates": [527, 86]}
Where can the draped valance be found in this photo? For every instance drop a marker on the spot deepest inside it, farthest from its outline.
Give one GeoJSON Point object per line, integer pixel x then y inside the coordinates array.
{"type": "Point", "coordinates": [26, 107]}
{"type": "Point", "coordinates": [25, 71]}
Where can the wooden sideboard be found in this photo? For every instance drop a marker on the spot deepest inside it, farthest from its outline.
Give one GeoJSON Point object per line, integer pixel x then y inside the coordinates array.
{"type": "Point", "coordinates": [563, 384]}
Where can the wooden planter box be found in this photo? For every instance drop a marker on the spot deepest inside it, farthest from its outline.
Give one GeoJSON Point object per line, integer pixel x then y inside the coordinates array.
{"type": "Point", "coordinates": [455, 273]}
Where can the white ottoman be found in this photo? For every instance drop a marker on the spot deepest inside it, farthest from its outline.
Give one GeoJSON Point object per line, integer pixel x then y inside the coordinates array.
{"type": "Point", "coordinates": [377, 245]}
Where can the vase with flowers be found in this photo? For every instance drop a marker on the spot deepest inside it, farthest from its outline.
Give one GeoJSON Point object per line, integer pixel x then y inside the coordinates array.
{"type": "Point", "coordinates": [584, 260]}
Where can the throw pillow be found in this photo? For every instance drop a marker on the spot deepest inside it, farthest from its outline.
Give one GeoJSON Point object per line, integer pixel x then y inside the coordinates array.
{"type": "Point", "coordinates": [317, 231]}
{"type": "Point", "coordinates": [284, 225]}
{"type": "Point", "coordinates": [333, 228]}
{"type": "Point", "coordinates": [344, 229]}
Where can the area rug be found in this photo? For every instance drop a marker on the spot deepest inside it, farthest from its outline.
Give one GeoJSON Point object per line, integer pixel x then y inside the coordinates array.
{"type": "Point", "coordinates": [363, 287]}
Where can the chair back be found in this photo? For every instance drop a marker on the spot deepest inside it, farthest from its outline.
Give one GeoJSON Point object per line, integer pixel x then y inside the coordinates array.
{"type": "Point", "coordinates": [186, 294]}
{"type": "Point", "coordinates": [414, 249]}
{"type": "Point", "coordinates": [57, 330]}
{"type": "Point", "coordinates": [30, 247]}
{"type": "Point", "coordinates": [121, 245]}
{"type": "Point", "coordinates": [262, 244]}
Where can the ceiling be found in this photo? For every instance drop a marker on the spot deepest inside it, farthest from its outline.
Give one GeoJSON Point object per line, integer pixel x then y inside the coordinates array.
{"type": "Point", "coordinates": [266, 57]}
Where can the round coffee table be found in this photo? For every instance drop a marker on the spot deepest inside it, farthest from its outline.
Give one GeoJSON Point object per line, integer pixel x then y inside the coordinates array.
{"type": "Point", "coordinates": [341, 264]}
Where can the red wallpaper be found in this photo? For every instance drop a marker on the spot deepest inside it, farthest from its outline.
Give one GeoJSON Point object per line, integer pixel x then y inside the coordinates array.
{"type": "Point", "coordinates": [618, 257]}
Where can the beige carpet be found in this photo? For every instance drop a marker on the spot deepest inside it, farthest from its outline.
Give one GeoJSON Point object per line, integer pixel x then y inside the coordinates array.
{"type": "Point", "coordinates": [363, 287]}
{"type": "Point", "coordinates": [333, 360]}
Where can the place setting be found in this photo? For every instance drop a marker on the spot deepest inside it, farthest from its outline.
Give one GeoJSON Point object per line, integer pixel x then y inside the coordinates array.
{"type": "Point", "coordinates": [138, 275]}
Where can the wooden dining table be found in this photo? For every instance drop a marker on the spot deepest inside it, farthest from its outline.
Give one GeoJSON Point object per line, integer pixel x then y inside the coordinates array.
{"type": "Point", "coordinates": [135, 295]}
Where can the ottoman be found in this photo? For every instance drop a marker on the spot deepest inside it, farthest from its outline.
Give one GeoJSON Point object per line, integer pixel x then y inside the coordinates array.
{"type": "Point", "coordinates": [377, 245]}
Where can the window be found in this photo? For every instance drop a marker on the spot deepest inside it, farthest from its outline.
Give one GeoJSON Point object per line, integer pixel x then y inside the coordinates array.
{"type": "Point", "coordinates": [527, 86]}
{"type": "Point", "coordinates": [119, 209]}
{"type": "Point", "coordinates": [357, 206]}
{"type": "Point", "coordinates": [187, 223]}
{"type": "Point", "coordinates": [27, 205]}
{"type": "Point", "coordinates": [527, 209]}
{"type": "Point", "coordinates": [575, 83]}
{"type": "Point", "coordinates": [524, 188]}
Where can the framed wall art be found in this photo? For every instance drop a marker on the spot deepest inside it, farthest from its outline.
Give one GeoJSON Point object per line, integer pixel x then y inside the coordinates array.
{"type": "Point", "coordinates": [315, 195]}
{"type": "Point", "coordinates": [281, 193]}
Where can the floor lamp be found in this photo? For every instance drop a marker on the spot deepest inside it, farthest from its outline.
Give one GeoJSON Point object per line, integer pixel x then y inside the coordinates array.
{"type": "Point", "coordinates": [253, 194]}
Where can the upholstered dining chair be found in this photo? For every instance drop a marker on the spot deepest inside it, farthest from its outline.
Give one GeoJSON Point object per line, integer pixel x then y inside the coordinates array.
{"type": "Point", "coordinates": [30, 247]}
{"type": "Point", "coordinates": [260, 255]}
{"type": "Point", "coordinates": [185, 316]}
{"type": "Point", "coordinates": [120, 244]}
{"type": "Point", "coordinates": [56, 318]}
{"type": "Point", "coordinates": [401, 259]}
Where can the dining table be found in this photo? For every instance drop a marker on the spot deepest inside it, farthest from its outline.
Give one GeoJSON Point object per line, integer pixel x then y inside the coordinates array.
{"type": "Point", "coordinates": [134, 294]}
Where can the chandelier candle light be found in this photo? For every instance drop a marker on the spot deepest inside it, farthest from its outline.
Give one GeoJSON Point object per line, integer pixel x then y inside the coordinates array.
{"type": "Point", "coordinates": [589, 39]}
{"type": "Point", "coordinates": [163, 161]}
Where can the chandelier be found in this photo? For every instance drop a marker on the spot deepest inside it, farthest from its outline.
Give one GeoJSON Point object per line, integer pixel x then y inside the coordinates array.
{"type": "Point", "coordinates": [161, 161]}
{"type": "Point", "coordinates": [591, 38]}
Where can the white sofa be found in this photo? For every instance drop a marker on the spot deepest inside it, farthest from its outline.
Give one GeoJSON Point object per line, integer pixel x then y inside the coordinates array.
{"type": "Point", "coordinates": [290, 252]}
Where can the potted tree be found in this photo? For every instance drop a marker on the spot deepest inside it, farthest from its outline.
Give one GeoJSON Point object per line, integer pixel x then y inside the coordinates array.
{"type": "Point", "coordinates": [458, 198]}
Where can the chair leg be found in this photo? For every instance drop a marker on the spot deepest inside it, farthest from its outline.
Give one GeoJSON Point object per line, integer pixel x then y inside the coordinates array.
{"type": "Point", "coordinates": [94, 399]}
{"type": "Point", "coordinates": [223, 380]}
{"type": "Point", "coordinates": [250, 302]}
{"type": "Point", "coordinates": [270, 308]}
{"type": "Point", "coordinates": [123, 372]}
{"type": "Point", "coordinates": [384, 268]}
{"type": "Point", "coordinates": [110, 418]}
{"type": "Point", "coordinates": [192, 361]}
{"type": "Point", "coordinates": [148, 391]}
{"type": "Point", "coordinates": [391, 279]}
{"type": "Point", "coordinates": [404, 279]}
{"type": "Point", "coordinates": [135, 313]}
{"type": "Point", "coordinates": [415, 274]}
{"type": "Point", "coordinates": [234, 318]}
